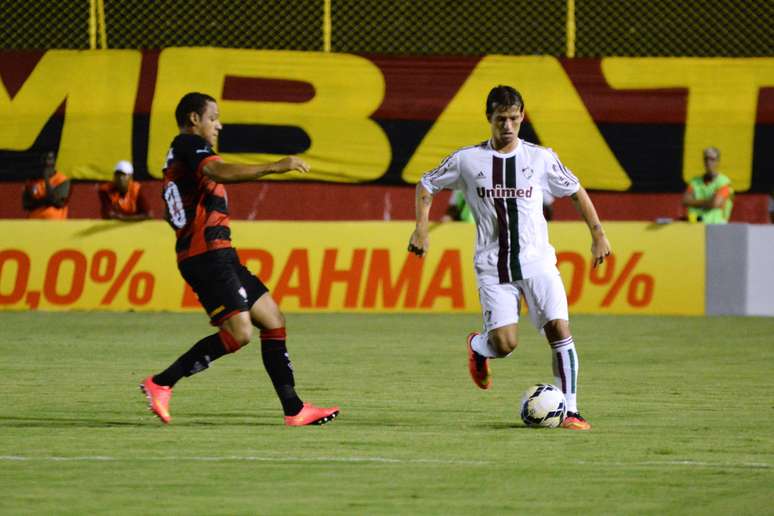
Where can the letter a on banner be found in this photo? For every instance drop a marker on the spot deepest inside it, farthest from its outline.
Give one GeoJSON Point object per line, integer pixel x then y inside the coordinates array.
{"type": "Point", "coordinates": [554, 108]}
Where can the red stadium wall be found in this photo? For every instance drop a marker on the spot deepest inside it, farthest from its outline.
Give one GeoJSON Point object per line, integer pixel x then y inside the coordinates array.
{"type": "Point", "coordinates": [327, 201]}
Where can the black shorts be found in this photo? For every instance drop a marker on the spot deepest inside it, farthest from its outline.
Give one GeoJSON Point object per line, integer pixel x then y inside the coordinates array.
{"type": "Point", "coordinates": [224, 286]}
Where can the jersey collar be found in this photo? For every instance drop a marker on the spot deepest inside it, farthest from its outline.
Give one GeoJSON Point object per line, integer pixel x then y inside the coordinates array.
{"type": "Point", "coordinates": [512, 153]}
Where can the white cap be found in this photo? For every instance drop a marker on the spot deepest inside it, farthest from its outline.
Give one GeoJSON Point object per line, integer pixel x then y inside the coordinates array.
{"type": "Point", "coordinates": [124, 167]}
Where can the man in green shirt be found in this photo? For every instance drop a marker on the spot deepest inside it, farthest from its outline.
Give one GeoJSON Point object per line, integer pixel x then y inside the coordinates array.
{"type": "Point", "coordinates": [709, 197]}
{"type": "Point", "coordinates": [458, 209]}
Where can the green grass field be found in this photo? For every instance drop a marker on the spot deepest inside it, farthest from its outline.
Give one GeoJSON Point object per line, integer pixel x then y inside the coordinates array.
{"type": "Point", "coordinates": [681, 407]}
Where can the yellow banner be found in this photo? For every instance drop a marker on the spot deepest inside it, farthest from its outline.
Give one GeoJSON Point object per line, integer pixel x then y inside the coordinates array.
{"type": "Point", "coordinates": [378, 118]}
{"type": "Point", "coordinates": [353, 266]}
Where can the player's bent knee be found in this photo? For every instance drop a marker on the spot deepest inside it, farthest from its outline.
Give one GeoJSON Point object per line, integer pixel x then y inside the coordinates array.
{"type": "Point", "coordinates": [277, 319]}
{"type": "Point", "coordinates": [504, 345]}
{"type": "Point", "coordinates": [234, 340]}
{"type": "Point", "coordinates": [243, 334]}
{"type": "Point", "coordinates": [510, 346]}
{"type": "Point", "coordinates": [265, 313]}
{"type": "Point", "coordinates": [557, 329]}
{"type": "Point", "coordinates": [272, 321]}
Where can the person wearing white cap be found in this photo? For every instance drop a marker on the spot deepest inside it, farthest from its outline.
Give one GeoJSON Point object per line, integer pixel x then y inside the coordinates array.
{"type": "Point", "coordinates": [122, 198]}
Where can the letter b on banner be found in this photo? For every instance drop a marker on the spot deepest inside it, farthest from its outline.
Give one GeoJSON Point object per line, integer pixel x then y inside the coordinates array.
{"type": "Point", "coordinates": [346, 145]}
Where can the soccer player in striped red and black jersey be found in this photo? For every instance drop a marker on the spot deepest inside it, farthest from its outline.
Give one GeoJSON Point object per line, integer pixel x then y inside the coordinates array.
{"type": "Point", "coordinates": [234, 298]}
{"type": "Point", "coordinates": [504, 181]}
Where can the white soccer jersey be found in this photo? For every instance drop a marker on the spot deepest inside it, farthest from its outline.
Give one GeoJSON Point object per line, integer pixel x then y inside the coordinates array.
{"type": "Point", "coordinates": [505, 193]}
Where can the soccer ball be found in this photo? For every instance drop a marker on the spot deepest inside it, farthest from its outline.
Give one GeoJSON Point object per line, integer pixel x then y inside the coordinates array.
{"type": "Point", "coordinates": [543, 406]}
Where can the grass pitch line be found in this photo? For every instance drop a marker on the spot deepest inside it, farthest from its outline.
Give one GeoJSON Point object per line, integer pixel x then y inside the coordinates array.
{"type": "Point", "coordinates": [382, 460]}
{"type": "Point", "coordinates": [237, 458]}
{"type": "Point", "coordinates": [688, 463]}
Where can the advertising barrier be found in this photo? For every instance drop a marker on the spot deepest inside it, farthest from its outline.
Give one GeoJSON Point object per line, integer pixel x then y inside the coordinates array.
{"type": "Point", "coordinates": [352, 266]}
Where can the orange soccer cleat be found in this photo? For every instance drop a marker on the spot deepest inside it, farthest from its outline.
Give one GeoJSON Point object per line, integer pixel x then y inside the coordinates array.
{"type": "Point", "coordinates": [574, 421]}
{"type": "Point", "coordinates": [311, 415]}
{"type": "Point", "coordinates": [158, 398]}
{"type": "Point", "coordinates": [478, 366]}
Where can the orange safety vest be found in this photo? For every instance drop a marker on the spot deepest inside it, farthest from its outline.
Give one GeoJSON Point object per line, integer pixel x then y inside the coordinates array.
{"type": "Point", "coordinates": [38, 190]}
{"type": "Point", "coordinates": [125, 204]}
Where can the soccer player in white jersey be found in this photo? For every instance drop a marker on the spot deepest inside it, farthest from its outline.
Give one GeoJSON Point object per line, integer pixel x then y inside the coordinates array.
{"type": "Point", "coordinates": [504, 180]}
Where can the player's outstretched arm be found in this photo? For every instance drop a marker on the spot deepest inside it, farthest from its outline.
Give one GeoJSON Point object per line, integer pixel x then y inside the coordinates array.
{"type": "Point", "coordinates": [419, 243]}
{"type": "Point", "coordinates": [222, 172]}
{"type": "Point", "coordinates": [600, 247]}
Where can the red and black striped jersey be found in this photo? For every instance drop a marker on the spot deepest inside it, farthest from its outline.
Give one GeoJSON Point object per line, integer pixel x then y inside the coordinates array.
{"type": "Point", "coordinates": [196, 206]}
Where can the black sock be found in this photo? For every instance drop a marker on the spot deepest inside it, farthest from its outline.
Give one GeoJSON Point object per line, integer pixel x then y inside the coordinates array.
{"type": "Point", "coordinates": [480, 360]}
{"type": "Point", "coordinates": [277, 364]}
{"type": "Point", "coordinates": [196, 359]}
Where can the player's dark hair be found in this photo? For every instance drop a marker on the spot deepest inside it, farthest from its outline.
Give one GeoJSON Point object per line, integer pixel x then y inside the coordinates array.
{"type": "Point", "coordinates": [503, 97]}
{"type": "Point", "coordinates": [193, 102]}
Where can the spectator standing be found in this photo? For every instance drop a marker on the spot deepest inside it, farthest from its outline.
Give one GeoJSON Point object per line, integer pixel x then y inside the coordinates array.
{"type": "Point", "coordinates": [47, 198]}
{"type": "Point", "coordinates": [709, 197]}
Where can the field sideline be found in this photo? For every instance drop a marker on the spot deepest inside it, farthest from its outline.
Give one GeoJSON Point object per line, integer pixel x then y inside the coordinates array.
{"type": "Point", "coordinates": [681, 407]}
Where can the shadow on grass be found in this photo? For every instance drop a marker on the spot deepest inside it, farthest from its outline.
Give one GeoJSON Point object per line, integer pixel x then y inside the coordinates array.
{"type": "Point", "coordinates": [63, 422]}
{"type": "Point", "coordinates": [227, 419]}
{"type": "Point", "coordinates": [188, 420]}
{"type": "Point", "coordinates": [512, 426]}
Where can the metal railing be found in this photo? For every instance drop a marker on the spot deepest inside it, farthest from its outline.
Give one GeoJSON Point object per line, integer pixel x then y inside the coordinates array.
{"type": "Point", "coordinates": [568, 28]}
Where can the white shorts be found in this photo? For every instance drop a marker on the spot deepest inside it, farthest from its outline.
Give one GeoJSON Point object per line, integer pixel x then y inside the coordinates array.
{"type": "Point", "coordinates": [545, 296]}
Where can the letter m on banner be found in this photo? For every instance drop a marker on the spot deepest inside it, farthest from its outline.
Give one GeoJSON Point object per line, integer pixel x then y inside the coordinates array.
{"type": "Point", "coordinates": [81, 86]}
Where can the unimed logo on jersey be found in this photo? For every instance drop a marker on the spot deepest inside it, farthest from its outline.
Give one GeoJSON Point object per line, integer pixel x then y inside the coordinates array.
{"type": "Point", "coordinates": [499, 192]}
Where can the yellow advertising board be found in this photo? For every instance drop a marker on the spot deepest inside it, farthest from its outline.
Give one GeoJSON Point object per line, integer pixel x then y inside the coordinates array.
{"type": "Point", "coordinates": [344, 266]}
{"type": "Point", "coordinates": [654, 269]}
